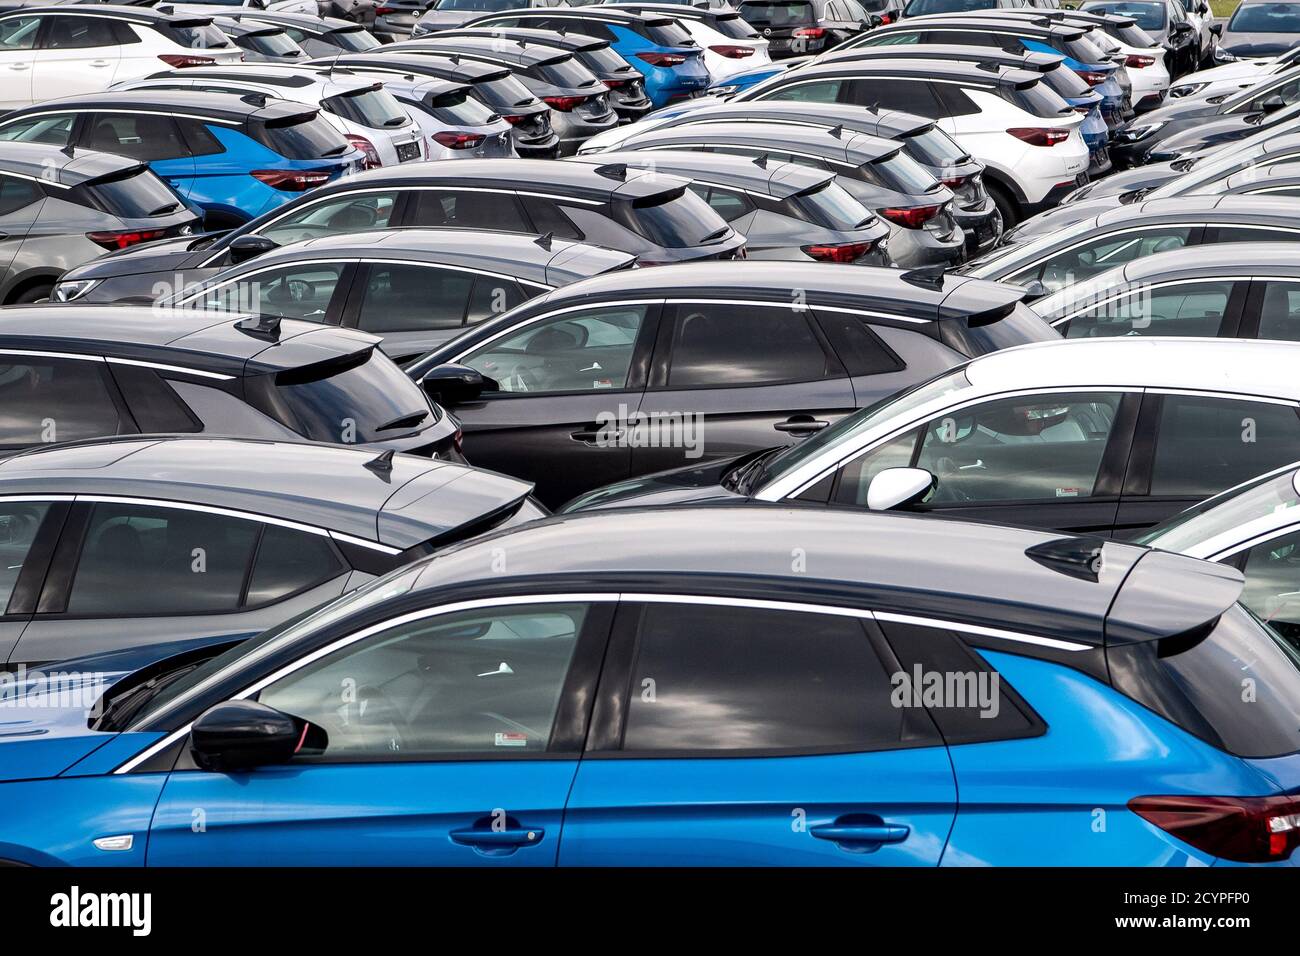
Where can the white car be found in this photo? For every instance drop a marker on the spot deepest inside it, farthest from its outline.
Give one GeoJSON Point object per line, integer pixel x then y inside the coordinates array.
{"type": "Point", "coordinates": [730, 44]}
{"type": "Point", "coordinates": [50, 52]}
{"type": "Point", "coordinates": [366, 113]}
{"type": "Point", "coordinates": [1145, 67]}
{"type": "Point", "coordinates": [1200, 16]}
{"type": "Point", "coordinates": [275, 6]}
{"type": "Point", "coordinates": [1234, 76]}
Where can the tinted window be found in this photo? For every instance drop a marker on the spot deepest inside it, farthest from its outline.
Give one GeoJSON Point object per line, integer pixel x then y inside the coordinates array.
{"type": "Point", "coordinates": [366, 399]}
{"type": "Point", "coordinates": [1064, 82]}
{"type": "Point", "coordinates": [199, 138]}
{"type": "Point", "coordinates": [548, 216]}
{"type": "Point", "coordinates": [826, 91]}
{"type": "Point", "coordinates": [289, 561]}
{"type": "Point", "coordinates": [1251, 234]}
{"type": "Point", "coordinates": [1279, 312]}
{"type": "Point", "coordinates": [53, 130]}
{"type": "Point", "coordinates": [567, 73]}
{"type": "Point", "coordinates": [1193, 308]}
{"type": "Point", "coordinates": [918, 95]}
{"type": "Point", "coordinates": [300, 291]}
{"type": "Point", "coordinates": [675, 220]}
{"type": "Point", "coordinates": [1149, 16]}
{"type": "Point", "coordinates": [830, 205]}
{"type": "Point", "coordinates": [19, 522]}
{"type": "Point", "coordinates": [902, 173]}
{"type": "Point", "coordinates": [857, 475]}
{"type": "Point", "coordinates": [405, 298]}
{"type": "Point", "coordinates": [919, 8]}
{"type": "Point", "coordinates": [154, 405]}
{"type": "Point", "coordinates": [196, 36]}
{"type": "Point", "coordinates": [1039, 99]}
{"type": "Point", "coordinates": [478, 682]}
{"type": "Point", "coordinates": [353, 213]}
{"type": "Point", "coordinates": [1273, 584]}
{"type": "Point", "coordinates": [737, 679]}
{"type": "Point", "coordinates": [19, 33]}
{"type": "Point", "coordinates": [727, 204]}
{"type": "Point", "coordinates": [353, 39]}
{"type": "Point", "coordinates": [54, 400]}
{"type": "Point", "coordinates": [458, 108]}
{"type": "Point", "coordinates": [733, 27]}
{"type": "Point", "coordinates": [1095, 256]}
{"type": "Point", "coordinates": [721, 344]}
{"type": "Point", "coordinates": [1265, 18]}
{"type": "Point", "coordinates": [374, 109]}
{"type": "Point", "coordinates": [934, 147]}
{"type": "Point", "coordinates": [1205, 445]}
{"type": "Point", "coordinates": [859, 348]}
{"type": "Point", "coordinates": [139, 559]}
{"type": "Point", "coordinates": [272, 43]}
{"type": "Point", "coordinates": [576, 351]}
{"type": "Point", "coordinates": [16, 194]}
{"type": "Point", "coordinates": [493, 296]}
{"type": "Point", "coordinates": [469, 210]}
{"type": "Point", "coordinates": [667, 33]}
{"type": "Point", "coordinates": [974, 338]}
{"type": "Point", "coordinates": [137, 195]}
{"type": "Point", "coordinates": [74, 33]}
{"type": "Point", "coordinates": [775, 13]}
{"type": "Point", "coordinates": [311, 137]}
{"type": "Point", "coordinates": [137, 135]}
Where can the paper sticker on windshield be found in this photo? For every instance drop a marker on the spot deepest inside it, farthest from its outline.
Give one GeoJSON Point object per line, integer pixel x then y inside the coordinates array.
{"type": "Point", "coordinates": [511, 740]}
{"type": "Point", "coordinates": [1067, 492]}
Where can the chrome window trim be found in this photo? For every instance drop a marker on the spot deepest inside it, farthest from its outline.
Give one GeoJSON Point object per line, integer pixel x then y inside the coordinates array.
{"type": "Point", "coordinates": [129, 111]}
{"type": "Point", "coordinates": [758, 149]}
{"type": "Point", "coordinates": [1141, 288]}
{"type": "Point", "coordinates": [81, 357]}
{"type": "Point", "coordinates": [1098, 236]}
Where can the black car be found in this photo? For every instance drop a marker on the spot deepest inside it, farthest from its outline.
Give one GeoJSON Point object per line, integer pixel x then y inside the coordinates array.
{"type": "Point", "coordinates": [631, 373]}
{"type": "Point", "coordinates": [800, 27]}
{"type": "Point", "coordinates": [652, 216]}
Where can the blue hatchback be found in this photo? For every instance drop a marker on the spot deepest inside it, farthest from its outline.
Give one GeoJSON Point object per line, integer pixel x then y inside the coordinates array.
{"type": "Point", "coordinates": [234, 157]}
{"type": "Point", "coordinates": [670, 687]}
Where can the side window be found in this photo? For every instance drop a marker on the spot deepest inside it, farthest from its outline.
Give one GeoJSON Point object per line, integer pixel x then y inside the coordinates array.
{"type": "Point", "coordinates": [1279, 311]}
{"type": "Point", "coordinates": [1036, 447]}
{"type": "Point", "coordinates": [198, 139]}
{"type": "Point", "coordinates": [142, 559]}
{"type": "Point", "coordinates": [18, 33]}
{"type": "Point", "coordinates": [19, 522]}
{"type": "Point", "coordinates": [891, 93]}
{"type": "Point", "coordinates": [349, 213]}
{"type": "Point", "coordinates": [827, 91]}
{"type": "Point", "coordinates": [1097, 255]}
{"type": "Point", "coordinates": [1273, 584]}
{"type": "Point", "coordinates": [485, 682]}
{"type": "Point", "coordinates": [857, 474]}
{"type": "Point", "coordinates": [1193, 308]}
{"type": "Point", "coordinates": [1249, 234]}
{"type": "Point", "coordinates": [893, 39]}
{"type": "Point", "coordinates": [408, 298]}
{"type": "Point", "coordinates": [723, 344]}
{"type": "Point", "coordinates": [469, 210]}
{"type": "Point", "coordinates": [953, 100]}
{"type": "Point", "coordinates": [78, 33]}
{"type": "Point", "coordinates": [491, 297]}
{"type": "Point", "coordinates": [17, 194]}
{"type": "Point", "coordinates": [859, 348]}
{"type": "Point", "coordinates": [53, 129]}
{"type": "Point", "coordinates": [289, 561]}
{"type": "Point", "coordinates": [576, 351]}
{"type": "Point", "coordinates": [776, 680]}
{"type": "Point", "coordinates": [299, 291]}
{"type": "Point", "coordinates": [135, 135]}
{"type": "Point", "coordinates": [729, 205]}
{"type": "Point", "coordinates": [1288, 91]}
{"type": "Point", "coordinates": [548, 216]}
{"type": "Point", "coordinates": [154, 405]}
{"type": "Point", "coordinates": [1204, 445]}
{"type": "Point", "coordinates": [54, 400]}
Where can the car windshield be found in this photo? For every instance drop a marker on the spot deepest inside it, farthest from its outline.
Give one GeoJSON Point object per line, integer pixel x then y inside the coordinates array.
{"type": "Point", "coordinates": [903, 173]}
{"type": "Point", "coordinates": [274, 43]}
{"type": "Point", "coordinates": [568, 73]}
{"type": "Point", "coordinates": [848, 429]}
{"type": "Point", "coordinates": [1229, 511]}
{"type": "Point", "coordinates": [604, 60]}
{"type": "Point", "coordinates": [309, 136]}
{"type": "Point", "coordinates": [352, 39]}
{"type": "Point", "coordinates": [1266, 18]}
{"type": "Point", "coordinates": [1038, 100]}
{"type": "Point", "coordinates": [933, 147]}
{"type": "Point", "coordinates": [733, 26]}
{"type": "Point", "coordinates": [1149, 16]}
{"type": "Point", "coordinates": [920, 8]}
{"type": "Point", "coordinates": [1065, 83]}
{"type": "Point", "coordinates": [1085, 50]}
{"type": "Point", "coordinates": [777, 13]}
{"type": "Point", "coordinates": [677, 220]}
{"type": "Point", "coordinates": [458, 108]}
{"type": "Point", "coordinates": [1019, 327]}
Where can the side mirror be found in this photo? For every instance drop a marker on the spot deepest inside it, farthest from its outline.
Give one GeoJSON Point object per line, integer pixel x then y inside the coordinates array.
{"type": "Point", "coordinates": [898, 487]}
{"type": "Point", "coordinates": [452, 384]}
{"type": "Point", "coordinates": [1034, 289]}
{"type": "Point", "coordinates": [250, 247]}
{"type": "Point", "coordinates": [1216, 29]}
{"type": "Point", "coordinates": [1272, 103]}
{"type": "Point", "coordinates": [241, 734]}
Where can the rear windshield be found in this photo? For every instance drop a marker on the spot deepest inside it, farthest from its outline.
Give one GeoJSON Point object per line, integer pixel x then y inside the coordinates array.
{"type": "Point", "coordinates": [308, 138]}
{"type": "Point", "coordinates": [198, 37]}
{"type": "Point", "coordinates": [567, 73]}
{"type": "Point", "coordinates": [1037, 100]}
{"type": "Point", "coordinates": [1266, 18]}
{"type": "Point", "coordinates": [486, 5]}
{"type": "Point", "coordinates": [370, 391]}
{"type": "Point", "coordinates": [376, 109]}
{"type": "Point", "coordinates": [1020, 327]}
{"type": "Point", "coordinates": [668, 33]}
{"type": "Point", "coordinates": [903, 173]}
{"type": "Point", "coordinates": [934, 147]}
{"type": "Point", "coordinates": [831, 205]}
{"type": "Point", "coordinates": [604, 60]}
{"type": "Point", "coordinates": [1065, 83]}
{"type": "Point", "coordinates": [677, 220]}
{"type": "Point", "coordinates": [458, 108]}
{"type": "Point", "coordinates": [1133, 36]}
{"type": "Point", "coordinates": [354, 39]}
{"type": "Point", "coordinates": [505, 94]}
{"type": "Point", "coordinates": [272, 43]}
{"type": "Point", "coordinates": [777, 14]}
{"type": "Point", "coordinates": [137, 195]}
{"type": "Point", "coordinates": [917, 8]}
{"type": "Point", "coordinates": [1149, 16]}
{"type": "Point", "coordinates": [733, 27]}
{"type": "Point", "coordinates": [1084, 50]}
{"type": "Point", "coordinates": [1237, 688]}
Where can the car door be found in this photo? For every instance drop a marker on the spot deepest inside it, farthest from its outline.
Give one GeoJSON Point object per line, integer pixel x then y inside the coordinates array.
{"type": "Point", "coordinates": [312, 290]}
{"type": "Point", "coordinates": [18, 34]}
{"type": "Point", "coordinates": [130, 572]}
{"type": "Point", "coordinates": [1190, 446]}
{"type": "Point", "coordinates": [745, 732]}
{"type": "Point", "coordinates": [562, 393]}
{"type": "Point", "coordinates": [29, 531]}
{"type": "Point", "coordinates": [730, 377]}
{"type": "Point", "coordinates": [20, 204]}
{"type": "Point", "coordinates": [75, 54]}
{"type": "Point", "coordinates": [149, 137]}
{"type": "Point", "coordinates": [449, 740]}
{"type": "Point", "coordinates": [1092, 256]}
{"type": "Point", "coordinates": [1204, 309]}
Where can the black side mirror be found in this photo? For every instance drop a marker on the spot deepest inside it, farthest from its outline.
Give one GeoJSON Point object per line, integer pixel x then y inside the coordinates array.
{"type": "Point", "coordinates": [241, 734]}
{"type": "Point", "coordinates": [452, 384]}
{"type": "Point", "coordinates": [1272, 103]}
{"type": "Point", "coordinates": [1216, 29]}
{"type": "Point", "coordinates": [250, 247]}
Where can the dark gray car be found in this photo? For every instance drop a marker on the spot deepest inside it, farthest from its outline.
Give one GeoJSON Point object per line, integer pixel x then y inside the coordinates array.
{"type": "Point", "coordinates": [415, 288]}
{"type": "Point", "coordinates": [60, 208]}
{"type": "Point", "coordinates": [785, 211]}
{"type": "Point", "coordinates": [1261, 28]}
{"type": "Point", "coordinates": [874, 170]}
{"type": "Point", "coordinates": [319, 36]}
{"type": "Point", "coordinates": [140, 541]}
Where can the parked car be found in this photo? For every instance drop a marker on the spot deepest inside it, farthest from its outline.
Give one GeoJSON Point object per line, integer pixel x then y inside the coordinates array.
{"type": "Point", "coordinates": [414, 288]}
{"type": "Point", "coordinates": [654, 217]}
{"type": "Point", "coordinates": [261, 42]}
{"type": "Point", "coordinates": [873, 170]}
{"type": "Point", "coordinates": [626, 85]}
{"type": "Point", "coordinates": [1102, 702]}
{"type": "Point", "coordinates": [495, 87]}
{"type": "Point", "coordinates": [53, 52]}
{"type": "Point", "coordinates": [364, 112]}
{"type": "Point", "coordinates": [1258, 28]}
{"type": "Point", "coordinates": [802, 27]}
{"type": "Point", "coordinates": [657, 45]}
{"type": "Point", "coordinates": [1166, 22]}
{"type": "Point", "coordinates": [713, 360]}
{"type": "Point", "coordinates": [233, 157]}
{"type": "Point", "coordinates": [1203, 19]}
{"type": "Point", "coordinates": [319, 36]}
{"type": "Point", "coordinates": [1027, 137]}
{"type": "Point", "coordinates": [139, 544]}
{"type": "Point", "coordinates": [731, 45]}
{"type": "Point", "coordinates": [1065, 257]}
{"type": "Point", "coordinates": [395, 19]}
{"type": "Point", "coordinates": [784, 210]}
{"type": "Point", "coordinates": [1232, 75]}
{"type": "Point", "coordinates": [926, 8]}
{"type": "Point", "coordinates": [1245, 289]}
{"type": "Point", "coordinates": [443, 15]}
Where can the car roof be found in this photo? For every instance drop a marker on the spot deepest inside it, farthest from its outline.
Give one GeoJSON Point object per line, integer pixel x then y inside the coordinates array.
{"type": "Point", "coordinates": [286, 75]}
{"type": "Point", "coordinates": [990, 19]}
{"type": "Point", "coordinates": [1207, 207]}
{"type": "Point", "coordinates": [303, 21]}
{"type": "Point", "coordinates": [185, 102]}
{"type": "Point", "coordinates": [888, 123]}
{"type": "Point", "coordinates": [920, 66]}
{"type": "Point", "coordinates": [434, 62]}
{"type": "Point", "coordinates": [493, 50]}
{"type": "Point", "coordinates": [59, 166]}
{"type": "Point", "coordinates": [1033, 60]}
{"type": "Point", "coordinates": [162, 13]}
{"type": "Point", "coordinates": [778, 180]}
{"type": "Point", "coordinates": [597, 12]}
{"type": "Point", "coordinates": [561, 41]}
{"type": "Point", "coordinates": [847, 147]}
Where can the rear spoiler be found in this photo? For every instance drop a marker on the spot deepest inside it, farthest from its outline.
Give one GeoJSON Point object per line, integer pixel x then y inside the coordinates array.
{"type": "Point", "coordinates": [1168, 595]}
{"type": "Point", "coordinates": [978, 301]}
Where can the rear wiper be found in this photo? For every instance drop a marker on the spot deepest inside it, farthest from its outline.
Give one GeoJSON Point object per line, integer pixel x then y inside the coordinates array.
{"type": "Point", "coordinates": [716, 235]}
{"type": "Point", "coordinates": [396, 121]}
{"type": "Point", "coordinates": [404, 421]}
{"type": "Point", "coordinates": [338, 151]}
{"type": "Point", "coordinates": [164, 208]}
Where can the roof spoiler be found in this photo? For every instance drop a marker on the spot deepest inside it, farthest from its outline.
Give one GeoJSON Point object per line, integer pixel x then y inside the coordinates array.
{"type": "Point", "coordinates": [1169, 595]}
{"type": "Point", "coordinates": [979, 302]}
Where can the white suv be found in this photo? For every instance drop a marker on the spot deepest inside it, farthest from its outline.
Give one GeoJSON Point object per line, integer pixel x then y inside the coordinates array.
{"type": "Point", "coordinates": [729, 43]}
{"type": "Point", "coordinates": [360, 108]}
{"type": "Point", "coordinates": [51, 52]}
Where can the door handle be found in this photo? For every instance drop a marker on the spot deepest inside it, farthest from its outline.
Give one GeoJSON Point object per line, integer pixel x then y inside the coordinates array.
{"type": "Point", "coordinates": [859, 833]}
{"type": "Point", "coordinates": [592, 434]}
{"type": "Point", "coordinates": [3, 236]}
{"type": "Point", "coordinates": [489, 839]}
{"type": "Point", "coordinates": [800, 424]}
{"type": "Point", "coordinates": [20, 66]}
{"type": "Point", "coordinates": [100, 63]}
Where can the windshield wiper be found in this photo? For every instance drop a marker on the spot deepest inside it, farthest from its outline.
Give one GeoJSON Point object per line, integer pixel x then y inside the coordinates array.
{"type": "Point", "coordinates": [338, 151]}
{"type": "Point", "coordinates": [395, 121]}
{"type": "Point", "coordinates": [716, 235]}
{"type": "Point", "coordinates": [168, 207]}
{"type": "Point", "coordinates": [404, 421]}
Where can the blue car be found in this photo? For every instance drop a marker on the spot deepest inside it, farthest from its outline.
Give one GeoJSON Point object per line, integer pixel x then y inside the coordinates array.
{"type": "Point", "coordinates": [679, 687]}
{"type": "Point", "coordinates": [658, 46]}
{"type": "Point", "coordinates": [233, 157]}
{"type": "Point", "coordinates": [739, 82]}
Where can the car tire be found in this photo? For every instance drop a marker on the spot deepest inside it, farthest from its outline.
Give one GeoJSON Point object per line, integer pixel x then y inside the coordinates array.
{"type": "Point", "coordinates": [37, 293]}
{"type": "Point", "coordinates": [1006, 203]}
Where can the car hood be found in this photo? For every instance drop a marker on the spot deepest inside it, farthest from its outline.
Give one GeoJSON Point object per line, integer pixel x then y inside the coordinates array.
{"type": "Point", "coordinates": [1206, 132]}
{"type": "Point", "coordinates": [1258, 44]}
{"type": "Point", "coordinates": [146, 257]}
{"type": "Point", "coordinates": [1058, 218]}
{"type": "Point", "coordinates": [447, 19]}
{"type": "Point", "coordinates": [1178, 110]}
{"type": "Point", "coordinates": [692, 484]}
{"type": "Point", "coordinates": [43, 719]}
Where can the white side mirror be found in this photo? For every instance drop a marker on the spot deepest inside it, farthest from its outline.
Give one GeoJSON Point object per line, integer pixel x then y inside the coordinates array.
{"type": "Point", "coordinates": [896, 487]}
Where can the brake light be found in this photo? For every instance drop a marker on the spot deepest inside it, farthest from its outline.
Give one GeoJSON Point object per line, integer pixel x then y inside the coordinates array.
{"type": "Point", "coordinates": [385, 11]}
{"type": "Point", "coordinates": [913, 218]}
{"type": "Point", "coordinates": [179, 61]}
{"type": "Point", "coordinates": [291, 180]}
{"type": "Point", "coordinates": [844, 252]}
{"type": "Point", "coordinates": [1245, 829]}
{"type": "Point", "coordinates": [514, 120]}
{"type": "Point", "coordinates": [955, 182]}
{"type": "Point", "coordinates": [458, 440]}
{"type": "Point", "coordinates": [732, 52]}
{"type": "Point", "coordinates": [564, 103]}
{"type": "Point", "coordinates": [812, 33]}
{"type": "Point", "coordinates": [120, 240]}
{"type": "Point", "coordinates": [662, 59]}
{"type": "Point", "coordinates": [1091, 77]}
{"type": "Point", "coordinates": [458, 140]}
{"type": "Point", "coordinates": [886, 19]}
{"type": "Point", "coordinates": [1038, 136]}
{"type": "Point", "coordinates": [1139, 60]}
{"type": "Point", "coordinates": [616, 84]}
{"type": "Point", "coordinates": [1085, 110]}
{"type": "Point", "coordinates": [368, 150]}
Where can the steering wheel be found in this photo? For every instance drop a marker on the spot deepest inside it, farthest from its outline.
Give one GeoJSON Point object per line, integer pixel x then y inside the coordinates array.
{"type": "Point", "coordinates": [945, 490]}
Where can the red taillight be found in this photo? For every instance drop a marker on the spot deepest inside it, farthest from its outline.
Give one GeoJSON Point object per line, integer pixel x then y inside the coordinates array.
{"type": "Point", "coordinates": [886, 18]}
{"type": "Point", "coordinates": [812, 33]}
{"type": "Point", "coordinates": [913, 218]}
{"type": "Point", "coordinates": [839, 252]}
{"type": "Point", "coordinates": [386, 11]}
{"type": "Point", "coordinates": [514, 120]}
{"type": "Point", "coordinates": [732, 52]}
{"type": "Point", "coordinates": [458, 440]}
{"type": "Point", "coordinates": [179, 61]}
{"type": "Point", "coordinates": [1139, 60]}
{"type": "Point", "coordinates": [564, 103]}
{"type": "Point", "coordinates": [1038, 136]}
{"type": "Point", "coordinates": [662, 59]}
{"type": "Point", "coordinates": [120, 240]}
{"type": "Point", "coordinates": [290, 180]}
{"type": "Point", "coordinates": [458, 140]}
{"type": "Point", "coordinates": [1244, 829]}
{"type": "Point", "coordinates": [368, 150]}
{"type": "Point", "coordinates": [1091, 77]}
{"type": "Point", "coordinates": [616, 84]}
{"type": "Point", "coordinates": [955, 182]}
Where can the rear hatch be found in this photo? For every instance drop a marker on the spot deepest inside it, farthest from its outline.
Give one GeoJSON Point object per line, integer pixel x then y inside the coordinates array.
{"type": "Point", "coordinates": [149, 209]}
{"type": "Point", "coordinates": [449, 503]}
{"type": "Point", "coordinates": [977, 317]}
{"type": "Point", "coordinates": [662, 209]}
{"type": "Point", "coordinates": [790, 26]}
